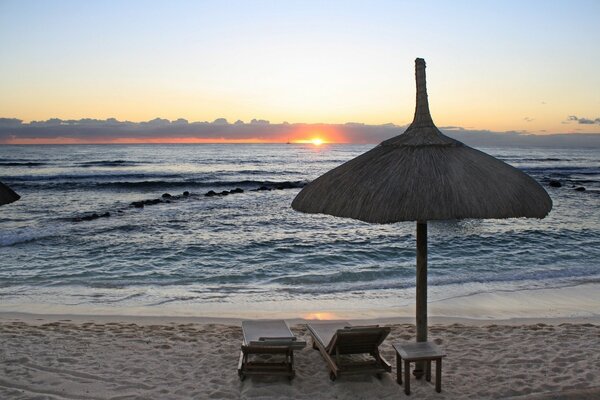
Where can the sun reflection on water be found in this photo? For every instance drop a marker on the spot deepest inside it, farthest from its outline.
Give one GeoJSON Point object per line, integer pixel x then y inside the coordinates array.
{"type": "Point", "coordinates": [320, 316]}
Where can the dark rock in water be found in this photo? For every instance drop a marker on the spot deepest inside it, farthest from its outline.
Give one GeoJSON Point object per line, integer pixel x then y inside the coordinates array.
{"type": "Point", "coordinates": [138, 204]}
{"type": "Point", "coordinates": [224, 193]}
{"type": "Point", "coordinates": [168, 201]}
{"type": "Point", "coordinates": [152, 202]}
{"type": "Point", "coordinates": [186, 193]}
{"type": "Point", "coordinates": [92, 217]}
{"type": "Point", "coordinates": [263, 188]}
{"type": "Point", "coordinates": [554, 183]}
{"type": "Point", "coordinates": [166, 195]}
{"type": "Point", "coordinates": [210, 193]}
{"type": "Point", "coordinates": [580, 189]}
{"type": "Point", "coordinates": [290, 185]}
{"type": "Point", "coordinates": [237, 190]}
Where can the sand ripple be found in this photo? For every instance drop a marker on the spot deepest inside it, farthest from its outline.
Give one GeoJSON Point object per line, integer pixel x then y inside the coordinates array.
{"type": "Point", "coordinates": [65, 360]}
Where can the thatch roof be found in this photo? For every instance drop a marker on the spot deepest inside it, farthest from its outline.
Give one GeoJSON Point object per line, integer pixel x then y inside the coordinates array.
{"type": "Point", "coordinates": [7, 195]}
{"type": "Point", "coordinates": [424, 175]}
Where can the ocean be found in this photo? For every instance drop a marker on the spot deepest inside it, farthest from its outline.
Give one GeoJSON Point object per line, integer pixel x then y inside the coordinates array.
{"type": "Point", "coordinates": [249, 252]}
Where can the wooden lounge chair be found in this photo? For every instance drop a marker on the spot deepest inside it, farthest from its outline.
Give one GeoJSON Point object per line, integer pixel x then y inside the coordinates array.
{"type": "Point", "coordinates": [272, 337]}
{"type": "Point", "coordinates": [336, 339]}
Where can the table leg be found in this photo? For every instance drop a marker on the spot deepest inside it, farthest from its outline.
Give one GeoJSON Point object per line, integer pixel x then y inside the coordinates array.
{"type": "Point", "coordinates": [398, 369]}
{"type": "Point", "coordinates": [438, 375]}
{"type": "Point", "coordinates": [428, 371]}
{"type": "Point", "coordinates": [407, 377]}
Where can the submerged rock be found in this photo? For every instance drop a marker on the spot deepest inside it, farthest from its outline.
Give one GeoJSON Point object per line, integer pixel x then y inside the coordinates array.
{"type": "Point", "coordinates": [186, 193]}
{"type": "Point", "coordinates": [210, 193]}
{"type": "Point", "coordinates": [554, 183]}
{"type": "Point", "coordinates": [92, 217]}
{"type": "Point", "coordinates": [137, 204]}
{"type": "Point", "coordinates": [166, 195]}
{"type": "Point", "coordinates": [580, 189]}
{"type": "Point", "coordinates": [237, 190]}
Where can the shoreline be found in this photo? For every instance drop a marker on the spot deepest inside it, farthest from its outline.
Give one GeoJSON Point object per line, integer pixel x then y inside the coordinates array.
{"type": "Point", "coordinates": [578, 303]}
{"type": "Point", "coordinates": [436, 321]}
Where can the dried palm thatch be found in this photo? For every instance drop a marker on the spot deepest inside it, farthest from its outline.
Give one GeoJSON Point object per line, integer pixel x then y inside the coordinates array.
{"type": "Point", "coordinates": [7, 195]}
{"type": "Point", "coordinates": [424, 175]}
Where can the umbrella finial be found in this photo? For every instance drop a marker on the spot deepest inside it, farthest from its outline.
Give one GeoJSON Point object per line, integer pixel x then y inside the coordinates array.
{"type": "Point", "coordinates": [422, 115]}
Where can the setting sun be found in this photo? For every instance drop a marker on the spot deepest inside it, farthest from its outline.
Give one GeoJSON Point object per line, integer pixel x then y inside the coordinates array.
{"type": "Point", "coordinates": [315, 141]}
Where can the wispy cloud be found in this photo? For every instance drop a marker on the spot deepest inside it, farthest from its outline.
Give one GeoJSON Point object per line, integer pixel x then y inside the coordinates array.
{"type": "Point", "coordinates": [583, 121]}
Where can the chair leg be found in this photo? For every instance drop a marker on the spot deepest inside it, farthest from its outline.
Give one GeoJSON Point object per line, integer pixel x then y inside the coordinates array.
{"type": "Point", "coordinates": [241, 364]}
{"type": "Point", "coordinates": [407, 377]}
{"type": "Point", "coordinates": [438, 375]}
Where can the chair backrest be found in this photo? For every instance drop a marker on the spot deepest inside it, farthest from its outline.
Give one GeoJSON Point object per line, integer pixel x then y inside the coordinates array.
{"type": "Point", "coordinates": [357, 340]}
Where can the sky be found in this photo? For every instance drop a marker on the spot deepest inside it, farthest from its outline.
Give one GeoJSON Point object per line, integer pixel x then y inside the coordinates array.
{"type": "Point", "coordinates": [511, 66]}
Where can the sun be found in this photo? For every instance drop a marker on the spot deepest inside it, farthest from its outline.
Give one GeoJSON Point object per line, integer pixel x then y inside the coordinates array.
{"type": "Point", "coordinates": [315, 141]}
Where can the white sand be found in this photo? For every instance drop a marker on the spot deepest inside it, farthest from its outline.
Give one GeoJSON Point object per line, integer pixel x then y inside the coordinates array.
{"type": "Point", "coordinates": [42, 357]}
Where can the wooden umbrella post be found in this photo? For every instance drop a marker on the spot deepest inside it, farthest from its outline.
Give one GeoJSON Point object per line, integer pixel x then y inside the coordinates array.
{"type": "Point", "coordinates": [421, 291]}
{"type": "Point", "coordinates": [449, 176]}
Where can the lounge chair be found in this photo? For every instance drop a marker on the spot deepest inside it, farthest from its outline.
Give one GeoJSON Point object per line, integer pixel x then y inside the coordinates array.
{"type": "Point", "coordinates": [268, 337]}
{"type": "Point", "coordinates": [335, 339]}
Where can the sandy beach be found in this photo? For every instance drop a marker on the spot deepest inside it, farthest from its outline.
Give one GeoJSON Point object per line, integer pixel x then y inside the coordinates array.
{"type": "Point", "coordinates": [86, 357]}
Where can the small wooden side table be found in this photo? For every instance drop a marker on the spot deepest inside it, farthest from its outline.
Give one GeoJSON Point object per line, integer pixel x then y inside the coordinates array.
{"type": "Point", "coordinates": [418, 351]}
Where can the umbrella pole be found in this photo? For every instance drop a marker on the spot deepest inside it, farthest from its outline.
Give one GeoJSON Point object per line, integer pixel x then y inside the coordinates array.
{"type": "Point", "coordinates": [421, 291]}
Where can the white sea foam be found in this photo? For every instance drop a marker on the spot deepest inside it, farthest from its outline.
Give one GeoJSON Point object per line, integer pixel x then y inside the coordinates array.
{"type": "Point", "coordinates": [30, 234]}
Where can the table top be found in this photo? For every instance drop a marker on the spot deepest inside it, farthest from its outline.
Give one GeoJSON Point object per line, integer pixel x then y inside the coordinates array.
{"type": "Point", "coordinates": [411, 351]}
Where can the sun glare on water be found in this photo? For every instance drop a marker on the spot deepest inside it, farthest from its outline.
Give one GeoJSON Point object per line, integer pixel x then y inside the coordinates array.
{"type": "Point", "coordinates": [317, 141]}
{"type": "Point", "coordinates": [321, 316]}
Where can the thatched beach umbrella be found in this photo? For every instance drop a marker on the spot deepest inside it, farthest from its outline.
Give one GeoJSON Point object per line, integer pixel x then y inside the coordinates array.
{"type": "Point", "coordinates": [7, 195]}
{"type": "Point", "coordinates": [423, 175]}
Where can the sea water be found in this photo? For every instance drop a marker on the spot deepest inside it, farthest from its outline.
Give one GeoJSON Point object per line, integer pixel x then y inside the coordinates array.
{"type": "Point", "coordinates": [226, 255]}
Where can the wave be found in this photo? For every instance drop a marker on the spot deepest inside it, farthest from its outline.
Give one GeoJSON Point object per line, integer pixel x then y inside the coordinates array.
{"type": "Point", "coordinates": [83, 177]}
{"type": "Point", "coordinates": [519, 159]}
{"type": "Point", "coordinates": [25, 235]}
{"type": "Point", "coordinates": [21, 164]}
{"type": "Point", "coordinates": [207, 184]}
{"type": "Point", "coordinates": [109, 163]}
{"type": "Point", "coordinates": [564, 170]}
{"type": "Point", "coordinates": [166, 184]}
{"type": "Point", "coordinates": [382, 280]}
